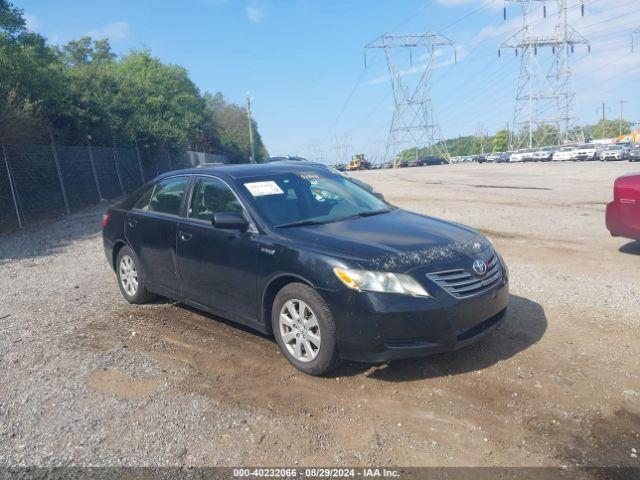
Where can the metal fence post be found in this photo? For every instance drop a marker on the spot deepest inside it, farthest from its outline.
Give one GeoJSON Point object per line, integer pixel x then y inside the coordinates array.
{"type": "Point", "coordinates": [139, 162]}
{"type": "Point", "coordinates": [57, 162]}
{"type": "Point", "coordinates": [169, 159]}
{"type": "Point", "coordinates": [115, 162]}
{"type": "Point", "coordinates": [95, 172]}
{"type": "Point", "coordinates": [11, 186]}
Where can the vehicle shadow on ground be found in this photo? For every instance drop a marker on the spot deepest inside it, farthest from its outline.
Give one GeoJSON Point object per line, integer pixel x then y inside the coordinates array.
{"type": "Point", "coordinates": [631, 248]}
{"type": "Point", "coordinates": [51, 237]}
{"type": "Point", "coordinates": [524, 326]}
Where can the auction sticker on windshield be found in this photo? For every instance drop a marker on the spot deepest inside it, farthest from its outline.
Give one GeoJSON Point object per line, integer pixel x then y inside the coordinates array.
{"type": "Point", "coordinates": [259, 189]}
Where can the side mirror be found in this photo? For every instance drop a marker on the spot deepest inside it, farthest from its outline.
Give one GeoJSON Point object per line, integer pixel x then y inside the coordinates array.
{"type": "Point", "coordinates": [230, 221]}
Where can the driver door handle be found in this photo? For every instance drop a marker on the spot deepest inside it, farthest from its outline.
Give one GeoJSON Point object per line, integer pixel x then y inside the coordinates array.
{"type": "Point", "coordinates": [132, 222]}
{"type": "Point", "coordinates": [184, 236]}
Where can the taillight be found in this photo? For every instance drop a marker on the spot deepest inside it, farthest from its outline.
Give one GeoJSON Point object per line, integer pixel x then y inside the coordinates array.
{"type": "Point", "coordinates": [105, 219]}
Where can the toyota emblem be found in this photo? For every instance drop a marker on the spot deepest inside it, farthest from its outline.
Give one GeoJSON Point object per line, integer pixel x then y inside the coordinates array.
{"type": "Point", "coordinates": [480, 267]}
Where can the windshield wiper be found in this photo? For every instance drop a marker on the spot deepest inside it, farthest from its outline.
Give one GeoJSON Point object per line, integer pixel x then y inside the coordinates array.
{"type": "Point", "coordinates": [373, 212]}
{"type": "Point", "coordinates": [301, 223]}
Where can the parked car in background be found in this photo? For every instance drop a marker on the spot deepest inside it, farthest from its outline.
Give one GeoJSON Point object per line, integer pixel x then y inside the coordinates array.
{"type": "Point", "coordinates": [341, 167]}
{"type": "Point", "coordinates": [479, 158]}
{"type": "Point", "coordinates": [544, 154]}
{"type": "Point", "coordinates": [286, 159]}
{"type": "Point", "coordinates": [493, 157]}
{"type": "Point", "coordinates": [623, 214]}
{"type": "Point", "coordinates": [634, 154]}
{"type": "Point", "coordinates": [613, 152]}
{"type": "Point", "coordinates": [563, 154]}
{"type": "Point", "coordinates": [504, 157]}
{"type": "Point", "coordinates": [522, 155]}
{"type": "Point", "coordinates": [586, 151]}
{"type": "Point", "coordinates": [388, 165]}
{"type": "Point", "coordinates": [431, 160]}
{"type": "Point", "coordinates": [300, 252]}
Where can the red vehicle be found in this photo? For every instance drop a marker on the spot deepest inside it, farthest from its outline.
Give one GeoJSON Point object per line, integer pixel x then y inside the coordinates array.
{"type": "Point", "coordinates": [623, 214]}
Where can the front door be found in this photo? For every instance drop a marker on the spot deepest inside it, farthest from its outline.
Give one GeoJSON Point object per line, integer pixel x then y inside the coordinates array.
{"type": "Point", "coordinates": [217, 267]}
{"type": "Point", "coordinates": [151, 228]}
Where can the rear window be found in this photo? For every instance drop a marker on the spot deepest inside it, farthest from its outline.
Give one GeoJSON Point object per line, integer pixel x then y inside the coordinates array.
{"type": "Point", "coordinates": [166, 197]}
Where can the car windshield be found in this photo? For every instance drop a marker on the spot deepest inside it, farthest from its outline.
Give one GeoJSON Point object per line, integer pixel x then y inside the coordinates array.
{"type": "Point", "coordinates": [566, 149]}
{"type": "Point", "coordinates": [309, 198]}
{"type": "Point", "coordinates": [614, 147]}
{"type": "Point", "coordinates": [587, 145]}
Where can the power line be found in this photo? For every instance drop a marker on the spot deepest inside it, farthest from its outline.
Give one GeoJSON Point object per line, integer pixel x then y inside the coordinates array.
{"type": "Point", "coordinates": [413, 123]}
{"type": "Point", "coordinates": [541, 85]}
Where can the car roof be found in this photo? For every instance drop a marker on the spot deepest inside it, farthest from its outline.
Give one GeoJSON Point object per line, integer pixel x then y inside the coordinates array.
{"type": "Point", "coordinates": [245, 170]}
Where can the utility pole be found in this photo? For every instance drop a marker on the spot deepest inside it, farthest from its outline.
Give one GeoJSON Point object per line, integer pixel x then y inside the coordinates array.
{"type": "Point", "coordinates": [622, 102]}
{"type": "Point", "coordinates": [413, 124]}
{"type": "Point", "coordinates": [252, 159]}
{"type": "Point", "coordinates": [543, 84]}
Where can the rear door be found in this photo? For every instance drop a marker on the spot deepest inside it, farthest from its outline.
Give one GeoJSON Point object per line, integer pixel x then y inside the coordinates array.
{"type": "Point", "coordinates": [151, 230]}
{"type": "Point", "coordinates": [217, 267]}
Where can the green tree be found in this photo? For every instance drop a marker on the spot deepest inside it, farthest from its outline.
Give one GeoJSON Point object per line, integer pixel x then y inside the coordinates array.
{"type": "Point", "coordinates": [500, 141]}
{"type": "Point", "coordinates": [608, 129]}
{"type": "Point", "coordinates": [230, 122]}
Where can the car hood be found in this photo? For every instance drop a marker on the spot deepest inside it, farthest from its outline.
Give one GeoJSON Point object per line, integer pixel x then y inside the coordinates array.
{"type": "Point", "coordinates": [396, 241]}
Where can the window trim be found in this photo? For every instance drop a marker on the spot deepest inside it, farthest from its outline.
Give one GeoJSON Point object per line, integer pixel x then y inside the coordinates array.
{"type": "Point", "coordinates": [252, 224]}
{"type": "Point", "coordinates": [164, 214]}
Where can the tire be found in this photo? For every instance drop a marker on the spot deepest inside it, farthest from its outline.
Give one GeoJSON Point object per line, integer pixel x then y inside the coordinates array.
{"type": "Point", "coordinates": [297, 332]}
{"type": "Point", "coordinates": [132, 286]}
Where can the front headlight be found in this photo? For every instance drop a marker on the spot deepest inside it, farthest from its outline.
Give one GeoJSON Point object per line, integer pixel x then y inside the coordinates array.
{"type": "Point", "coordinates": [380, 282]}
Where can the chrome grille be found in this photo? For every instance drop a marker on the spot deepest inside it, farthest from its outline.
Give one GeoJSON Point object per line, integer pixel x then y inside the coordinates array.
{"type": "Point", "coordinates": [461, 283]}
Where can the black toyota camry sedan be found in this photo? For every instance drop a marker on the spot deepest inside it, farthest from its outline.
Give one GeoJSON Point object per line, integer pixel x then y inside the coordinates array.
{"type": "Point", "coordinates": [301, 252]}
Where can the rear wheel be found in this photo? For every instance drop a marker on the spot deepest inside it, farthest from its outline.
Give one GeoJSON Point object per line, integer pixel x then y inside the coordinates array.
{"type": "Point", "coordinates": [130, 278]}
{"type": "Point", "coordinates": [305, 329]}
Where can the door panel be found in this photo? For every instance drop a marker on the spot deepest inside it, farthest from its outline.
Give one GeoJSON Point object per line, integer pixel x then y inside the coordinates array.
{"type": "Point", "coordinates": [153, 240]}
{"type": "Point", "coordinates": [217, 267]}
{"type": "Point", "coordinates": [151, 228]}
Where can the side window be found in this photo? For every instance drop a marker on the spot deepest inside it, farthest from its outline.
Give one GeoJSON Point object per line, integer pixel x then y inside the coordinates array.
{"type": "Point", "coordinates": [143, 200]}
{"type": "Point", "coordinates": [210, 196]}
{"type": "Point", "coordinates": [167, 195]}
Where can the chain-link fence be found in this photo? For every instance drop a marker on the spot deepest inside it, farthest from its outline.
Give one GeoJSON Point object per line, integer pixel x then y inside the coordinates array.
{"type": "Point", "coordinates": [43, 181]}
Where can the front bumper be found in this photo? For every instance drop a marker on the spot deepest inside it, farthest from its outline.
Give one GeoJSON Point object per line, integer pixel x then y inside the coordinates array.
{"type": "Point", "coordinates": [376, 327]}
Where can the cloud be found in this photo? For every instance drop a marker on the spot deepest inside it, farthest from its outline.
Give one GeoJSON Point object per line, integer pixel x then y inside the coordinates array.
{"type": "Point", "coordinates": [254, 14]}
{"type": "Point", "coordinates": [112, 31]}
{"type": "Point", "coordinates": [31, 22]}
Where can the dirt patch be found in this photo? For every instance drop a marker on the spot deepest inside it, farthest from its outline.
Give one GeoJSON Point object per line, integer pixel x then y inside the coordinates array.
{"type": "Point", "coordinates": [114, 382]}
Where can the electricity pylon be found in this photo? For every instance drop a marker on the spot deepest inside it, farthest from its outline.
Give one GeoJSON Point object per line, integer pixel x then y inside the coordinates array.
{"type": "Point", "coordinates": [544, 95]}
{"type": "Point", "coordinates": [413, 124]}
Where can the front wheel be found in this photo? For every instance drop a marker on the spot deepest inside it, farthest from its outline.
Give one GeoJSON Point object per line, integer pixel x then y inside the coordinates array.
{"type": "Point", "coordinates": [130, 278]}
{"type": "Point", "coordinates": [305, 329]}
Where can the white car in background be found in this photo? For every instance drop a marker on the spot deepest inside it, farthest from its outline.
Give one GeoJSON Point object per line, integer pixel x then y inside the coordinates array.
{"type": "Point", "coordinates": [522, 154]}
{"type": "Point", "coordinates": [493, 157]}
{"type": "Point", "coordinates": [613, 152]}
{"type": "Point", "coordinates": [586, 151]}
{"type": "Point", "coordinates": [564, 154]}
{"type": "Point", "coordinates": [544, 154]}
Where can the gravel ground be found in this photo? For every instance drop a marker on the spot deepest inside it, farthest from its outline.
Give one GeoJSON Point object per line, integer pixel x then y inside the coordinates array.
{"type": "Point", "coordinates": [88, 379]}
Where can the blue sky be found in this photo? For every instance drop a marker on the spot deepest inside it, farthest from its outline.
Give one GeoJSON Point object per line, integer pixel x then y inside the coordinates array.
{"type": "Point", "coordinates": [302, 60]}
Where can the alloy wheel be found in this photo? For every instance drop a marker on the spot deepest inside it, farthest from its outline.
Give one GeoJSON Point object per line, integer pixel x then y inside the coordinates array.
{"type": "Point", "coordinates": [128, 275]}
{"type": "Point", "coordinates": [299, 330]}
